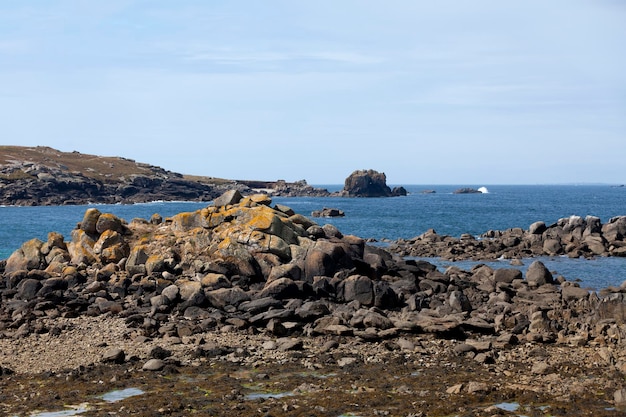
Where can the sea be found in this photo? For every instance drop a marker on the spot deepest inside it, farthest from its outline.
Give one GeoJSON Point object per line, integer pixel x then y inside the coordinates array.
{"type": "Point", "coordinates": [437, 207]}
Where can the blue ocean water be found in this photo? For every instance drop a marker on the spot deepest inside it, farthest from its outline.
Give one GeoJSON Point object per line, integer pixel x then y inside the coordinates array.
{"type": "Point", "coordinates": [503, 207]}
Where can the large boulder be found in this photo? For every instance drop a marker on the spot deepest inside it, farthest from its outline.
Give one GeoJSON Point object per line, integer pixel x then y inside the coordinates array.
{"type": "Point", "coordinates": [367, 183]}
{"type": "Point", "coordinates": [538, 274]}
{"type": "Point", "coordinates": [28, 256]}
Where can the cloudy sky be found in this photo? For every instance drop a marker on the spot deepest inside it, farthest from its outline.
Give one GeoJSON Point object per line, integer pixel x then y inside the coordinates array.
{"type": "Point", "coordinates": [429, 92]}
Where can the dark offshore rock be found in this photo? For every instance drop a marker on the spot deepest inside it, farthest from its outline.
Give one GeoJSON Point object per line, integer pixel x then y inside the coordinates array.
{"type": "Point", "coordinates": [398, 191]}
{"type": "Point", "coordinates": [366, 183]}
{"type": "Point", "coordinates": [240, 264]}
{"type": "Point", "coordinates": [467, 191]}
{"type": "Point", "coordinates": [328, 212]}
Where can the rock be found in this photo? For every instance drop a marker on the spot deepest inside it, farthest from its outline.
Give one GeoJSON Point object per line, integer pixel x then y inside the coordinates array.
{"type": "Point", "coordinates": [230, 197]}
{"type": "Point", "coordinates": [289, 344]}
{"type": "Point", "coordinates": [358, 288]}
{"type": "Point", "coordinates": [28, 288]}
{"type": "Point", "coordinates": [537, 228]}
{"type": "Point", "coordinates": [90, 219]}
{"type": "Point", "coordinates": [153, 365]}
{"type": "Point", "coordinates": [459, 302]}
{"type": "Point", "coordinates": [366, 183]}
{"type": "Point", "coordinates": [280, 289]}
{"type": "Point", "coordinates": [159, 352]}
{"type": "Point", "coordinates": [343, 362]}
{"type": "Point", "coordinates": [223, 297]}
{"type": "Point", "coordinates": [507, 275]}
{"type": "Point", "coordinates": [573, 292]}
{"type": "Point", "coordinates": [474, 387]}
{"type": "Point", "coordinates": [328, 212]}
{"type": "Point", "coordinates": [312, 310]}
{"type": "Point", "coordinates": [399, 192]}
{"type": "Point", "coordinates": [455, 389]}
{"type": "Point", "coordinates": [114, 355]}
{"type": "Point", "coordinates": [537, 274]}
{"type": "Point", "coordinates": [405, 344]}
{"type": "Point", "coordinates": [377, 320]}
{"type": "Point", "coordinates": [108, 221]}
{"type": "Point", "coordinates": [464, 348]}
{"type": "Point", "coordinates": [467, 191]}
{"type": "Point", "coordinates": [27, 257]}
{"type": "Point", "coordinates": [619, 398]}
{"type": "Point", "coordinates": [540, 368]}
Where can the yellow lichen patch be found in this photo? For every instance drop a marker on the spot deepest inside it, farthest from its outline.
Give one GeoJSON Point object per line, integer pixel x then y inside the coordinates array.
{"type": "Point", "coordinates": [114, 253]}
{"type": "Point", "coordinates": [155, 263]}
{"type": "Point", "coordinates": [81, 252]}
{"type": "Point", "coordinates": [79, 236]}
{"type": "Point", "coordinates": [224, 244]}
{"type": "Point", "coordinates": [214, 220]}
{"type": "Point", "coordinates": [183, 222]}
{"type": "Point", "coordinates": [262, 220]}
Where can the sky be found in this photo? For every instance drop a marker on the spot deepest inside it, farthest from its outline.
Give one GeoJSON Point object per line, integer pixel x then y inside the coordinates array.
{"type": "Point", "coordinates": [428, 92]}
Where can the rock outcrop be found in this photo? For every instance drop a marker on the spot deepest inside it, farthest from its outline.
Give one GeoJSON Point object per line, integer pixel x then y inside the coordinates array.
{"type": "Point", "coordinates": [369, 183]}
{"type": "Point", "coordinates": [243, 264]}
{"type": "Point", "coordinates": [282, 188]}
{"type": "Point", "coordinates": [467, 191]}
{"type": "Point", "coordinates": [573, 236]}
{"type": "Point", "coordinates": [328, 212]}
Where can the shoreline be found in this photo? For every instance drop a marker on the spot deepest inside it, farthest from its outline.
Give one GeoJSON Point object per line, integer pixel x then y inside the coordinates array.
{"type": "Point", "coordinates": [228, 292]}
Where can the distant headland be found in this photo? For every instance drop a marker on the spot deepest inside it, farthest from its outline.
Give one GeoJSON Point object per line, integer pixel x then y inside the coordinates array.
{"type": "Point", "coordinates": [43, 176]}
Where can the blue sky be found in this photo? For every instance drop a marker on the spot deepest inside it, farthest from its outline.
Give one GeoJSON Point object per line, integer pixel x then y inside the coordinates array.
{"type": "Point", "coordinates": [445, 92]}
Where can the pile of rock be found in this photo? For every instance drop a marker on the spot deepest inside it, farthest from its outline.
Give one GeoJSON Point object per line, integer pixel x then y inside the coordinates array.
{"type": "Point", "coordinates": [573, 236]}
{"type": "Point", "coordinates": [242, 264]}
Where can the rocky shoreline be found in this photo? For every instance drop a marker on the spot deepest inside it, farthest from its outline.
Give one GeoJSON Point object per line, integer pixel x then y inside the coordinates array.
{"type": "Point", "coordinates": [572, 236]}
{"type": "Point", "coordinates": [249, 285]}
{"type": "Point", "coordinates": [42, 176]}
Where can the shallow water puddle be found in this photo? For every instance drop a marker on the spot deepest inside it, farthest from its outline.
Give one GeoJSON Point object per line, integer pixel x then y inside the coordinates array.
{"type": "Point", "coordinates": [266, 395]}
{"type": "Point", "coordinates": [109, 397]}
{"type": "Point", "coordinates": [508, 406]}
{"type": "Point", "coordinates": [119, 395]}
{"type": "Point", "coordinates": [71, 412]}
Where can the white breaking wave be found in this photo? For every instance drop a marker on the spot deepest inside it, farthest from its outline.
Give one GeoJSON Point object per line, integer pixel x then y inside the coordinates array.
{"type": "Point", "coordinates": [483, 190]}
